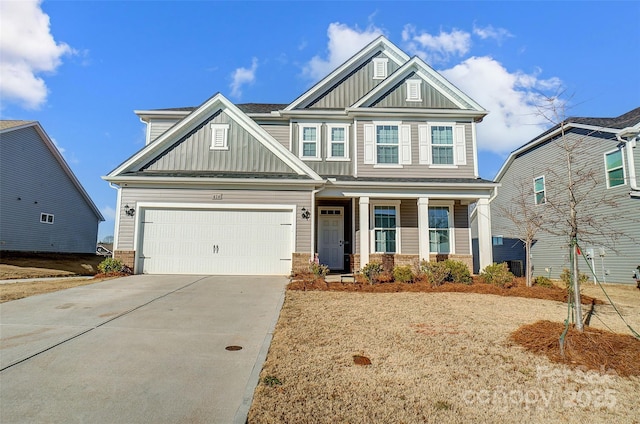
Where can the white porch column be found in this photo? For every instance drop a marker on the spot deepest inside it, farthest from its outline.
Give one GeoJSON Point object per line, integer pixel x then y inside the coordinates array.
{"type": "Point", "coordinates": [483, 214]}
{"type": "Point", "coordinates": [364, 231]}
{"type": "Point", "coordinates": [423, 228]}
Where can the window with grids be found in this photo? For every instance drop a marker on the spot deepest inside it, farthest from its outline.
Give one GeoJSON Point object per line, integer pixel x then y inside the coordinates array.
{"type": "Point", "coordinates": [387, 143]}
{"type": "Point", "coordinates": [309, 142]}
{"type": "Point", "coordinates": [385, 232]}
{"type": "Point", "coordinates": [439, 229]}
{"type": "Point", "coordinates": [615, 168]}
{"type": "Point", "coordinates": [338, 141]}
{"type": "Point", "coordinates": [442, 145]}
{"type": "Point", "coordinates": [539, 191]}
{"type": "Point", "coordinates": [46, 218]}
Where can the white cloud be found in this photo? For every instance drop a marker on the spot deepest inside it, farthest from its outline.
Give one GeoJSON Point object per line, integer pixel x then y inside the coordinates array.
{"type": "Point", "coordinates": [498, 34]}
{"type": "Point", "coordinates": [27, 49]}
{"type": "Point", "coordinates": [436, 48]}
{"type": "Point", "coordinates": [512, 98]}
{"type": "Point", "coordinates": [243, 76]}
{"type": "Point", "coordinates": [343, 43]}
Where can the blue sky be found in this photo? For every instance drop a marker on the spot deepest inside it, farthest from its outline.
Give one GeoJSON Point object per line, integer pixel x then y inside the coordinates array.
{"type": "Point", "coordinates": [81, 68]}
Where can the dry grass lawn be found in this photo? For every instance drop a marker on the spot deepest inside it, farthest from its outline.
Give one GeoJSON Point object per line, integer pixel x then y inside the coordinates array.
{"type": "Point", "coordinates": [14, 291]}
{"type": "Point", "coordinates": [37, 265]}
{"type": "Point", "coordinates": [435, 357]}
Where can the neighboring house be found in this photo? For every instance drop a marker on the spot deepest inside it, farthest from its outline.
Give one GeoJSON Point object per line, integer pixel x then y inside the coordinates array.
{"type": "Point", "coordinates": [377, 161]}
{"type": "Point", "coordinates": [43, 207]}
{"type": "Point", "coordinates": [104, 249]}
{"type": "Point", "coordinates": [606, 148]}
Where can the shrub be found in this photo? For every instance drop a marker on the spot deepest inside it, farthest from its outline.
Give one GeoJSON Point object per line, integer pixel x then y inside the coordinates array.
{"type": "Point", "coordinates": [436, 272]}
{"type": "Point", "coordinates": [372, 271]}
{"type": "Point", "coordinates": [497, 274]}
{"type": "Point", "coordinates": [565, 276]}
{"type": "Point", "coordinates": [319, 270]}
{"type": "Point", "coordinates": [458, 272]}
{"type": "Point", "coordinates": [385, 277]}
{"type": "Point", "coordinates": [542, 281]}
{"type": "Point", "coordinates": [110, 265]}
{"type": "Point", "coordinates": [403, 274]}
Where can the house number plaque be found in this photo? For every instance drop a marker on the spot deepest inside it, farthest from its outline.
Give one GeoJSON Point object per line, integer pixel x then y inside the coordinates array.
{"type": "Point", "coordinates": [217, 196]}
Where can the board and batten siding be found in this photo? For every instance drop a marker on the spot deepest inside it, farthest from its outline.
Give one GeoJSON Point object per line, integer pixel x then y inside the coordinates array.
{"type": "Point", "coordinates": [245, 153]}
{"type": "Point", "coordinates": [551, 251]}
{"type": "Point", "coordinates": [130, 196]}
{"type": "Point", "coordinates": [416, 170]}
{"type": "Point", "coordinates": [353, 87]}
{"type": "Point", "coordinates": [431, 98]}
{"type": "Point", "coordinates": [325, 166]}
{"type": "Point", "coordinates": [32, 182]}
{"type": "Point", "coordinates": [157, 127]}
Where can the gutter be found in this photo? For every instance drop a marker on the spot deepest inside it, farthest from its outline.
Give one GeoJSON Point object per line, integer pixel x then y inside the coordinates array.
{"type": "Point", "coordinates": [629, 137]}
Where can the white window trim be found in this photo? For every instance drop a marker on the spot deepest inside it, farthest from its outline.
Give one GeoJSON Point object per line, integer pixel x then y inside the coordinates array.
{"type": "Point", "coordinates": [376, 62]}
{"type": "Point", "coordinates": [375, 144]}
{"type": "Point", "coordinates": [501, 238]}
{"type": "Point", "coordinates": [544, 186]}
{"type": "Point", "coordinates": [452, 234]}
{"type": "Point", "coordinates": [46, 217]}
{"type": "Point", "coordinates": [372, 220]}
{"type": "Point", "coordinates": [215, 128]}
{"type": "Point", "coordinates": [417, 83]}
{"type": "Point", "coordinates": [427, 145]}
{"type": "Point", "coordinates": [606, 170]}
{"type": "Point", "coordinates": [301, 127]}
{"type": "Point", "coordinates": [330, 143]}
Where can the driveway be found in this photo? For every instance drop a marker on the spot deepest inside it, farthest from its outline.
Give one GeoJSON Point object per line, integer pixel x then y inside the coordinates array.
{"type": "Point", "coordinates": [140, 349]}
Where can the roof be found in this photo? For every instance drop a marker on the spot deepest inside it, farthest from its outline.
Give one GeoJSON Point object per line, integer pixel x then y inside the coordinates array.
{"type": "Point", "coordinates": [628, 119]}
{"type": "Point", "coordinates": [349, 178]}
{"type": "Point", "coordinates": [247, 108]}
{"type": "Point", "coordinates": [6, 124]}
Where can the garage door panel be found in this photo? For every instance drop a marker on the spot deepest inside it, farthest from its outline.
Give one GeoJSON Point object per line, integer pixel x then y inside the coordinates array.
{"type": "Point", "coordinates": [195, 241]}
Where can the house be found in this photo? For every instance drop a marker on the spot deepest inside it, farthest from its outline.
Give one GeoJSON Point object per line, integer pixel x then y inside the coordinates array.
{"type": "Point", "coordinates": [375, 162]}
{"type": "Point", "coordinates": [606, 162]}
{"type": "Point", "coordinates": [44, 207]}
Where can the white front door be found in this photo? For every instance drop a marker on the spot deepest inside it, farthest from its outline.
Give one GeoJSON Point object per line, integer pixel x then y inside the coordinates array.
{"type": "Point", "coordinates": [330, 237]}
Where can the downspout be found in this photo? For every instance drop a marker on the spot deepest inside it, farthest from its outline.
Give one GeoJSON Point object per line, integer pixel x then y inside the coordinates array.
{"type": "Point", "coordinates": [117, 219]}
{"type": "Point", "coordinates": [313, 223]}
{"type": "Point", "coordinates": [630, 135]}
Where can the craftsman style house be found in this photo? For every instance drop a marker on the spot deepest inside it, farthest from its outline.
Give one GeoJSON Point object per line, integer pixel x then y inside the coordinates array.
{"type": "Point", "coordinates": [607, 161]}
{"type": "Point", "coordinates": [377, 161]}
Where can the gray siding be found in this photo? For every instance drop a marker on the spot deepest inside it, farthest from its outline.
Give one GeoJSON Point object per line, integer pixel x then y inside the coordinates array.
{"type": "Point", "coordinates": [415, 170]}
{"type": "Point", "coordinates": [278, 131]}
{"type": "Point", "coordinates": [156, 127]}
{"type": "Point", "coordinates": [551, 251]}
{"type": "Point", "coordinates": [353, 87]}
{"type": "Point", "coordinates": [325, 166]}
{"type": "Point", "coordinates": [409, 223]}
{"type": "Point", "coordinates": [461, 229]}
{"type": "Point", "coordinates": [245, 154]}
{"type": "Point", "coordinates": [396, 97]}
{"type": "Point", "coordinates": [204, 196]}
{"type": "Point", "coordinates": [33, 182]}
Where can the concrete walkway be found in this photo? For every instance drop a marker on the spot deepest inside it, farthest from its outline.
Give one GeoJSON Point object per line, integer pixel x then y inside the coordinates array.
{"type": "Point", "coordinates": [139, 349]}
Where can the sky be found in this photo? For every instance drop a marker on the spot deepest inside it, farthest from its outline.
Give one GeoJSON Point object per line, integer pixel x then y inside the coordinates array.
{"type": "Point", "coordinates": [81, 68]}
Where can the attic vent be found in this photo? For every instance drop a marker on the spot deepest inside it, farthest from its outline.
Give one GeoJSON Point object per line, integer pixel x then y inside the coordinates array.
{"type": "Point", "coordinates": [380, 67]}
{"type": "Point", "coordinates": [219, 139]}
{"type": "Point", "coordinates": [414, 92]}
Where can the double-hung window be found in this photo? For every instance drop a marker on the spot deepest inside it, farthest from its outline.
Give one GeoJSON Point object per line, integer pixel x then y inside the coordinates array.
{"type": "Point", "coordinates": [539, 191]}
{"type": "Point", "coordinates": [442, 145]}
{"type": "Point", "coordinates": [387, 144]}
{"type": "Point", "coordinates": [613, 162]}
{"type": "Point", "coordinates": [385, 228]}
{"type": "Point", "coordinates": [440, 229]}
{"type": "Point", "coordinates": [309, 137]}
{"type": "Point", "coordinates": [338, 141]}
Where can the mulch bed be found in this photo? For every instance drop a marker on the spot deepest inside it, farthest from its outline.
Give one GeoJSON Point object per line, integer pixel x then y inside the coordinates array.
{"type": "Point", "coordinates": [594, 349]}
{"type": "Point", "coordinates": [519, 289]}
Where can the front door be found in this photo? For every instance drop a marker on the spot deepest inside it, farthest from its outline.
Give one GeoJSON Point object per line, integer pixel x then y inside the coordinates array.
{"type": "Point", "coordinates": [330, 237]}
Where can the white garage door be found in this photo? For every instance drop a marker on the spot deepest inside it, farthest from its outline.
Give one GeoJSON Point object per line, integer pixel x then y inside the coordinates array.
{"type": "Point", "coordinates": [202, 241]}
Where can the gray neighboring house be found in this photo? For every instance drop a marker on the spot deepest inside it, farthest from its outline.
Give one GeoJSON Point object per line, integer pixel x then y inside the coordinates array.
{"type": "Point", "coordinates": [609, 147]}
{"type": "Point", "coordinates": [43, 206]}
{"type": "Point", "coordinates": [376, 162]}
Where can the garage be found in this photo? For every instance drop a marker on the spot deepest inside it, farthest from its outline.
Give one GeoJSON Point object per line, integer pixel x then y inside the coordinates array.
{"type": "Point", "coordinates": [221, 241]}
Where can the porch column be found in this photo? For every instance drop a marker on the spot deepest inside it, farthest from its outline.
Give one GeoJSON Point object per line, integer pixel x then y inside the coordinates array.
{"type": "Point", "coordinates": [364, 231]}
{"type": "Point", "coordinates": [423, 228]}
{"type": "Point", "coordinates": [485, 249]}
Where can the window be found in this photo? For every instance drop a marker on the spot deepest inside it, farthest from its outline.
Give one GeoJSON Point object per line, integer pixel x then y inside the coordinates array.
{"type": "Point", "coordinates": [539, 191]}
{"type": "Point", "coordinates": [309, 137]}
{"type": "Point", "coordinates": [380, 67]}
{"type": "Point", "coordinates": [387, 143]}
{"type": "Point", "coordinates": [613, 162]}
{"type": "Point", "coordinates": [442, 145]}
{"type": "Point", "coordinates": [439, 229]}
{"type": "Point", "coordinates": [414, 91]}
{"type": "Point", "coordinates": [46, 218]}
{"type": "Point", "coordinates": [497, 240]}
{"type": "Point", "coordinates": [385, 228]}
{"type": "Point", "coordinates": [219, 139]}
{"type": "Point", "coordinates": [338, 136]}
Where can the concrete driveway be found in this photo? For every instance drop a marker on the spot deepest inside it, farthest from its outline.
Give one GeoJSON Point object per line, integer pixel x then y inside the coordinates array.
{"type": "Point", "coordinates": [140, 349]}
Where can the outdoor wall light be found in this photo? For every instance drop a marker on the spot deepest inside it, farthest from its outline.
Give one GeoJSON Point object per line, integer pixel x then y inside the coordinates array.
{"type": "Point", "coordinates": [305, 213]}
{"type": "Point", "coordinates": [129, 211]}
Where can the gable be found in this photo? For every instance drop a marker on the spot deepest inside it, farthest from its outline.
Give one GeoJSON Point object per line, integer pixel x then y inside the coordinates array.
{"type": "Point", "coordinates": [430, 96]}
{"type": "Point", "coordinates": [192, 152]}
